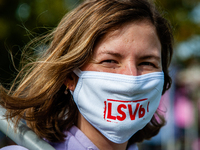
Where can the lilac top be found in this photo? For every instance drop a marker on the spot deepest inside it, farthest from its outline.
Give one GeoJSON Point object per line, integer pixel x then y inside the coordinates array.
{"type": "Point", "coordinates": [13, 147]}
{"type": "Point", "coordinates": [75, 140]}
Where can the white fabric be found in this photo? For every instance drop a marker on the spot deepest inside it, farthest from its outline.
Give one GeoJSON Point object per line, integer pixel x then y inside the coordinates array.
{"type": "Point", "coordinates": [118, 105]}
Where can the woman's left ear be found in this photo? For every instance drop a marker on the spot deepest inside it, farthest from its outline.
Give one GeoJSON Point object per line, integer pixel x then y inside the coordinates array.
{"type": "Point", "coordinates": [71, 81]}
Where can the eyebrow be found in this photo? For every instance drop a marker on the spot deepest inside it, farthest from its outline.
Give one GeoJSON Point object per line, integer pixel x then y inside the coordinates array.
{"type": "Point", "coordinates": [148, 56]}
{"type": "Point", "coordinates": [151, 56]}
{"type": "Point", "coordinates": [116, 54]}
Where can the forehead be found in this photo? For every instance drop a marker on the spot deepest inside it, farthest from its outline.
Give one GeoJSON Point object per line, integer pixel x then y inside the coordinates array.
{"type": "Point", "coordinates": [139, 33]}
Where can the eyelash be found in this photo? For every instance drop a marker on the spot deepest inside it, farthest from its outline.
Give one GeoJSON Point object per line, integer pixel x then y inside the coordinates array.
{"type": "Point", "coordinates": [143, 63]}
{"type": "Point", "coordinates": [148, 64]}
{"type": "Point", "coordinates": [109, 61]}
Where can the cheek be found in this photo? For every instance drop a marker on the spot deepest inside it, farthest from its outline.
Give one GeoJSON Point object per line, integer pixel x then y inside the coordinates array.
{"type": "Point", "coordinates": [88, 67]}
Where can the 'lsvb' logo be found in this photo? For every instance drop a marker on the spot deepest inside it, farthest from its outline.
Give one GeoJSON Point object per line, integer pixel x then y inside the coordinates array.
{"type": "Point", "coordinates": [119, 110]}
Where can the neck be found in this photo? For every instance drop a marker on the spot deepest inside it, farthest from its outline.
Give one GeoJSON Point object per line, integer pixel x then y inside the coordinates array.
{"type": "Point", "coordinates": [96, 137]}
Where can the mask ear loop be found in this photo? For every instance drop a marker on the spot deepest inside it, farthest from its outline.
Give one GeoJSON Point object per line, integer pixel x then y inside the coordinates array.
{"type": "Point", "coordinates": [77, 71]}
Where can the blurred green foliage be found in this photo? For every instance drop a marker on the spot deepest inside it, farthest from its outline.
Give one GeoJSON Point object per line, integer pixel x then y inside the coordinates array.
{"type": "Point", "coordinates": [179, 12]}
{"type": "Point", "coordinates": [22, 20]}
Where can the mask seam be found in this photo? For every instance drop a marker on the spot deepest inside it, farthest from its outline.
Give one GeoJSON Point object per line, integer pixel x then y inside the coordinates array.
{"type": "Point", "coordinates": [122, 80]}
{"type": "Point", "coordinates": [84, 74]}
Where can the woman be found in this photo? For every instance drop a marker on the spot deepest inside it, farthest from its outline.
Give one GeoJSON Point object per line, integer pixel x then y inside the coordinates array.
{"type": "Point", "coordinates": [100, 79]}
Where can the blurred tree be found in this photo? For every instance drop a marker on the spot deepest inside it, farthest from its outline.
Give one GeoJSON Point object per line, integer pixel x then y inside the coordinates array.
{"type": "Point", "coordinates": [179, 12]}
{"type": "Point", "coordinates": [21, 21]}
{"type": "Point", "coordinates": [185, 19]}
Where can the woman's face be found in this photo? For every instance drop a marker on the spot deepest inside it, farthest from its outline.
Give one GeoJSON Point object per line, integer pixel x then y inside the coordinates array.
{"type": "Point", "coordinates": [133, 49]}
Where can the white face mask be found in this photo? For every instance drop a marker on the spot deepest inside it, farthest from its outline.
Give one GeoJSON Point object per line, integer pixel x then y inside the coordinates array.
{"type": "Point", "coordinates": [118, 105]}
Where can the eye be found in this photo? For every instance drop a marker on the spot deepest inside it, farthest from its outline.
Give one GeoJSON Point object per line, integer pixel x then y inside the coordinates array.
{"type": "Point", "coordinates": [147, 64]}
{"type": "Point", "coordinates": [110, 61]}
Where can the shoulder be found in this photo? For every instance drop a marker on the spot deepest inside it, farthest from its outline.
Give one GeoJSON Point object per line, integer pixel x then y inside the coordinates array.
{"type": "Point", "coordinates": [75, 140]}
{"type": "Point", "coordinates": [15, 147]}
{"type": "Point", "coordinates": [133, 147]}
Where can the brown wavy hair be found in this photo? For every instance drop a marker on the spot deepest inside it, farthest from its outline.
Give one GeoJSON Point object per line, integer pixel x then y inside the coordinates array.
{"type": "Point", "coordinates": [37, 94]}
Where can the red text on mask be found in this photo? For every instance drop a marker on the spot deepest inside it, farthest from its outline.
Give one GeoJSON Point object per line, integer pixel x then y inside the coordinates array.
{"type": "Point", "coordinates": [124, 109]}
